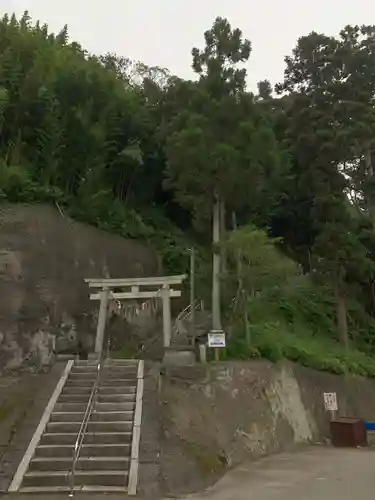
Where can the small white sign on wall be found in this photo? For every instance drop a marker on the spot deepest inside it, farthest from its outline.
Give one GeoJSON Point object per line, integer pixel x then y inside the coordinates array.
{"type": "Point", "coordinates": [330, 401]}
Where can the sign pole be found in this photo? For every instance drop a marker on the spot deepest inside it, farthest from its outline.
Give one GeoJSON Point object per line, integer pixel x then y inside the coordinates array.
{"type": "Point", "coordinates": [217, 341]}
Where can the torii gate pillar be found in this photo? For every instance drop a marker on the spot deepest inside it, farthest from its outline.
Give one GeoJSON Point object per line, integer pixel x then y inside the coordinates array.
{"type": "Point", "coordinates": [161, 288]}
{"type": "Point", "coordinates": [167, 322]}
{"type": "Point", "coordinates": [102, 319]}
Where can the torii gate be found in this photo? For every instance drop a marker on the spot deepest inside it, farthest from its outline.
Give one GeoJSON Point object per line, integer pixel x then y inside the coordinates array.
{"type": "Point", "coordinates": [163, 289]}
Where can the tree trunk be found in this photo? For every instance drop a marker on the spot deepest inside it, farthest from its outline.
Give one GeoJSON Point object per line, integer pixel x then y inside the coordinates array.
{"type": "Point", "coordinates": [192, 295]}
{"type": "Point", "coordinates": [222, 233]}
{"type": "Point", "coordinates": [341, 317]}
{"type": "Point", "coordinates": [216, 265]}
{"type": "Point", "coordinates": [242, 295]}
{"type": "Point", "coordinates": [369, 196]}
{"type": "Point", "coordinates": [238, 262]}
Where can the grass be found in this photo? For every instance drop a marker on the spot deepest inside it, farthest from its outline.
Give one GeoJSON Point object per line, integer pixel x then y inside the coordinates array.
{"type": "Point", "coordinates": [297, 323]}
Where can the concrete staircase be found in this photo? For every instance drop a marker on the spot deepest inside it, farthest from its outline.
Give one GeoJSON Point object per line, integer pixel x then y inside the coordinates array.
{"type": "Point", "coordinates": [110, 435]}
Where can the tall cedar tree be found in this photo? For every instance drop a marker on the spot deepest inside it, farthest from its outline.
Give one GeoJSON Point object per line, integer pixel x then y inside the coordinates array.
{"type": "Point", "coordinates": [221, 148]}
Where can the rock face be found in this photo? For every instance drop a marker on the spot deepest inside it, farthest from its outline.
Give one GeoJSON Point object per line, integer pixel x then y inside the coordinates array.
{"type": "Point", "coordinates": [44, 259]}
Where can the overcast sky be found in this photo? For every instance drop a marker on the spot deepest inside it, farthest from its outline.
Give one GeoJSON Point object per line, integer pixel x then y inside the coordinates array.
{"type": "Point", "coordinates": [162, 32]}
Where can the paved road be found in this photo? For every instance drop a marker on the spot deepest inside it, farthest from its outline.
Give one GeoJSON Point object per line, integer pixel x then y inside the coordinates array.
{"type": "Point", "coordinates": [316, 474]}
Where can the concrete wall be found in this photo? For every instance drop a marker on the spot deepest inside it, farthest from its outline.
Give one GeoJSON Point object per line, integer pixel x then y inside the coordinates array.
{"type": "Point", "coordinates": [44, 259]}
{"type": "Point", "coordinates": [215, 417]}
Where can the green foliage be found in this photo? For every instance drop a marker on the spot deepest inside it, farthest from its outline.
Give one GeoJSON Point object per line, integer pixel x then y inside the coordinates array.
{"type": "Point", "coordinates": [217, 63]}
{"type": "Point", "coordinates": [317, 353]}
{"type": "Point", "coordinates": [297, 322]}
{"type": "Point", "coordinates": [71, 132]}
{"type": "Point", "coordinates": [16, 186]}
{"type": "Point", "coordinates": [151, 226]}
{"type": "Point", "coordinates": [262, 264]}
{"type": "Point", "coordinates": [136, 151]}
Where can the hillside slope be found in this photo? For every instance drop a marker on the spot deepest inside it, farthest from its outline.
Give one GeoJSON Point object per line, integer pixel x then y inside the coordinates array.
{"type": "Point", "coordinates": [44, 259]}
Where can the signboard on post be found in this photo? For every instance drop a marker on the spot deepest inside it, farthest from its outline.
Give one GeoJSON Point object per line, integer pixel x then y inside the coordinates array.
{"type": "Point", "coordinates": [330, 401]}
{"type": "Point", "coordinates": [216, 339]}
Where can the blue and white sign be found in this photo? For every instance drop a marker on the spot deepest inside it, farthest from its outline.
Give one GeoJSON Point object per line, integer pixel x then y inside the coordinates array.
{"type": "Point", "coordinates": [216, 338]}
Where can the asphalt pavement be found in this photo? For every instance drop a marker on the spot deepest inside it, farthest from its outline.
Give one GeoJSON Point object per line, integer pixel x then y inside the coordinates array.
{"type": "Point", "coordinates": [319, 473]}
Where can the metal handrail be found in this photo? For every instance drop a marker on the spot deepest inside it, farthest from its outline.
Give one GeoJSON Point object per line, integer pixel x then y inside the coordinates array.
{"type": "Point", "coordinates": [83, 427]}
{"type": "Point", "coordinates": [186, 313]}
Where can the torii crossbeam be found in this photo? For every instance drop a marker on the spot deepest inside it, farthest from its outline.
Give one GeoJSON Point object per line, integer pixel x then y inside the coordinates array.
{"type": "Point", "coordinates": [159, 286]}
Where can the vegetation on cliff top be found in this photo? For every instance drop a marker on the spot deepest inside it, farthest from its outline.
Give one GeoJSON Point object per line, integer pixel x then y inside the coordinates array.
{"type": "Point", "coordinates": [137, 151]}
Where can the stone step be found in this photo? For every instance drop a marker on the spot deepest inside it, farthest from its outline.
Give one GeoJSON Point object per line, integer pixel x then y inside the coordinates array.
{"type": "Point", "coordinates": [73, 377]}
{"type": "Point", "coordinates": [87, 450]}
{"type": "Point", "coordinates": [86, 383]}
{"type": "Point", "coordinates": [67, 417]}
{"type": "Point", "coordinates": [84, 478]}
{"type": "Point", "coordinates": [70, 406]}
{"type": "Point", "coordinates": [97, 438]}
{"type": "Point", "coordinates": [110, 362]}
{"type": "Point", "coordinates": [115, 406]}
{"type": "Point", "coordinates": [114, 382]}
{"type": "Point", "coordinates": [100, 398]}
{"type": "Point", "coordinates": [83, 464]}
{"type": "Point", "coordinates": [107, 370]}
{"type": "Point", "coordinates": [61, 438]}
{"type": "Point", "coordinates": [83, 374]}
{"type": "Point", "coordinates": [92, 370]}
{"type": "Point", "coordinates": [115, 398]}
{"type": "Point", "coordinates": [85, 362]}
{"type": "Point", "coordinates": [97, 416]}
{"type": "Point", "coordinates": [68, 390]}
{"type": "Point", "coordinates": [102, 383]}
{"type": "Point", "coordinates": [98, 406]}
{"type": "Point", "coordinates": [118, 389]}
{"type": "Point", "coordinates": [84, 371]}
{"type": "Point", "coordinates": [70, 427]}
{"type": "Point", "coordinates": [73, 398]}
{"type": "Point", "coordinates": [71, 389]}
{"type": "Point", "coordinates": [116, 372]}
{"type": "Point", "coordinates": [121, 362]}
{"type": "Point", "coordinates": [112, 416]}
{"type": "Point", "coordinates": [80, 489]}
